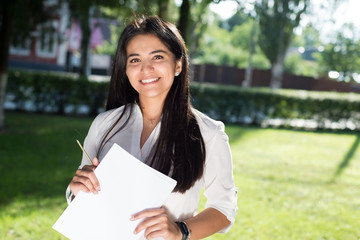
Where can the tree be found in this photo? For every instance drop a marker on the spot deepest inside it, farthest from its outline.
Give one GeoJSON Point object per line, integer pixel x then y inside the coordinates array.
{"type": "Point", "coordinates": [342, 54]}
{"type": "Point", "coordinates": [18, 18]}
{"type": "Point", "coordinates": [188, 18]}
{"type": "Point", "coordinates": [277, 20]}
{"type": "Point", "coordinates": [125, 12]}
{"type": "Point", "coordinates": [163, 10]}
{"type": "Point", "coordinates": [220, 46]}
{"type": "Point", "coordinates": [184, 18]}
{"type": "Point", "coordinates": [198, 24]}
{"type": "Point", "coordinates": [248, 71]}
{"type": "Point", "coordinates": [252, 41]}
{"type": "Point", "coordinates": [83, 11]}
{"type": "Point", "coordinates": [149, 7]}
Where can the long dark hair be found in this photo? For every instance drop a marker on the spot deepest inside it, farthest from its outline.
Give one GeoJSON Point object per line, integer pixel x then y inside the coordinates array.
{"type": "Point", "coordinates": [180, 148]}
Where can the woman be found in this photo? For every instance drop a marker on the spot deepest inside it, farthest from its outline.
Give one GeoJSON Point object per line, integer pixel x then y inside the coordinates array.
{"type": "Point", "coordinates": [148, 113]}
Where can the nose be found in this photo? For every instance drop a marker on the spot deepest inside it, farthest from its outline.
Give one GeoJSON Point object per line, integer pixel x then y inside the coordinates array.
{"type": "Point", "coordinates": [147, 66]}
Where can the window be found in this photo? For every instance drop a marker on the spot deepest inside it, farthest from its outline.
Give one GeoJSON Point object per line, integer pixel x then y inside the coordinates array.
{"type": "Point", "coordinates": [20, 46]}
{"type": "Point", "coordinates": [47, 40]}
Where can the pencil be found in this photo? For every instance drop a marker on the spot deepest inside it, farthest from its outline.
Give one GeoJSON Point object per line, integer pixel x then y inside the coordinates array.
{"type": "Point", "coordinates": [84, 152]}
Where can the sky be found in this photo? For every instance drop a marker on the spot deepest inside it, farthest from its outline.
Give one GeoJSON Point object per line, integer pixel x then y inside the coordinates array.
{"type": "Point", "coordinates": [347, 11]}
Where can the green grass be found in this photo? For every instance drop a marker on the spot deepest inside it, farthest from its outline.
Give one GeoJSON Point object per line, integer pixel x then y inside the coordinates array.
{"type": "Point", "coordinates": [39, 156]}
{"type": "Point", "coordinates": [292, 184]}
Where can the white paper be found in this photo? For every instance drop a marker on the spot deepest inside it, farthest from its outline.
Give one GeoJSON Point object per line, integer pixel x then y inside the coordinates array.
{"type": "Point", "coordinates": [128, 186]}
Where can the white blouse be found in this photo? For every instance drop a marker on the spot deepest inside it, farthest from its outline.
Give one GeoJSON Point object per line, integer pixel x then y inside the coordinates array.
{"type": "Point", "coordinates": [217, 179]}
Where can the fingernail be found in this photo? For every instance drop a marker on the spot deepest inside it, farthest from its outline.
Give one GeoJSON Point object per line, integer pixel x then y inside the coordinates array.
{"type": "Point", "coordinates": [98, 189]}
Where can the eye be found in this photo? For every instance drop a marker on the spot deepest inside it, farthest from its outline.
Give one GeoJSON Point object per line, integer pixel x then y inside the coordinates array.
{"type": "Point", "coordinates": [157, 57]}
{"type": "Point", "coordinates": [134, 60]}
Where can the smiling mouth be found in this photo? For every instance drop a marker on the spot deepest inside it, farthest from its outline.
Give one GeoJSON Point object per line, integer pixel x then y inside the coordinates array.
{"type": "Point", "coordinates": [149, 80]}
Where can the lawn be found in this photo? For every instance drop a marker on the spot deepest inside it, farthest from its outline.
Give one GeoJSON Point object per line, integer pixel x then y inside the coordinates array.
{"type": "Point", "coordinates": [292, 184]}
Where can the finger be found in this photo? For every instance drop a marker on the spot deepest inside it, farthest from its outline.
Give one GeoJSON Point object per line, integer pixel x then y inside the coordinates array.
{"type": "Point", "coordinates": [96, 161]}
{"type": "Point", "coordinates": [157, 224]}
{"type": "Point", "coordinates": [88, 168]}
{"type": "Point", "coordinates": [165, 228]}
{"type": "Point", "coordinates": [91, 176]}
{"type": "Point", "coordinates": [85, 181]}
{"type": "Point", "coordinates": [76, 187]}
{"type": "Point", "coordinates": [155, 232]}
{"type": "Point", "coordinates": [161, 233]}
{"type": "Point", "coordinates": [147, 213]}
{"type": "Point", "coordinates": [152, 223]}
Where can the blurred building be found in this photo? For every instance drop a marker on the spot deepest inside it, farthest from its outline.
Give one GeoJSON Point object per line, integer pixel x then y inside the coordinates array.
{"type": "Point", "coordinates": [55, 45]}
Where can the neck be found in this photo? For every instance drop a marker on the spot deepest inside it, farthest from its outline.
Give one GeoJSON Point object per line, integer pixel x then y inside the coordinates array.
{"type": "Point", "coordinates": [151, 111]}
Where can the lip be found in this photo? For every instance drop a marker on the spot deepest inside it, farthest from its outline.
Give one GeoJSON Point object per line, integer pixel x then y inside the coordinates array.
{"type": "Point", "coordinates": [149, 80]}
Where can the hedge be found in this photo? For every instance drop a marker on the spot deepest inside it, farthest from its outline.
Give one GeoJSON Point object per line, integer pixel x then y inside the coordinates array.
{"type": "Point", "coordinates": [281, 107]}
{"type": "Point", "coordinates": [65, 93]}
{"type": "Point", "coordinates": [54, 92]}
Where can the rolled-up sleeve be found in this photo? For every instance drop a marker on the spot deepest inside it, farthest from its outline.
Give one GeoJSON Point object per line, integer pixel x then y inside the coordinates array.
{"type": "Point", "coordinates": [220, 189]}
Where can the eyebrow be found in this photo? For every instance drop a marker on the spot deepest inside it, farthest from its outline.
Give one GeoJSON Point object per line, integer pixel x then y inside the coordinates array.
{"type": "Point", "coordinates": [153, 52]}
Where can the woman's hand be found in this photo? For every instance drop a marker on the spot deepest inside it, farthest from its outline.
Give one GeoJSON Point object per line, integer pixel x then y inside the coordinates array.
{"type": "Point", "coordinates": [157, 224]}
{"type": "Point", "coordinates": [85, 179]}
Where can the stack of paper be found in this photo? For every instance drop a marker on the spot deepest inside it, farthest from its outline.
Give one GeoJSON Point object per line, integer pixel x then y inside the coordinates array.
{"type": "Point", "coordinates": [128, 186]}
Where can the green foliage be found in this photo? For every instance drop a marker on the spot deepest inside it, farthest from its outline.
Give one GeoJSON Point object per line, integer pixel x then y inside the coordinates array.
{"type": "Point", "coordinates": [219, 50]}
{"type": "Point", "coordinates": [311, 36]}
{"type": "Point", "coordinates": [29, 13]}
{"type": "Point", "coordinates": [109, 47]}
{"type": "Point", "coordinates": [83, 10]}
{"type": "Point", "coordinates": [58, 93]}
{"type": "Point", "coordinates": [261, 106]}
{"type": "Point", "coordinates": [231, 48]}
{"type": "Point", "coordinates": [295, 64]}
{"type": "Point", "coordinates": [125, 12]}
{"type": "Point", "coordinates": [237, 19]}
{"type": "Point", "coordinates": [303, 64]}
{"type": "Point", "coordinates": [277, 22]}
{"type": "Point", "coordinates": [240, 35]}
{"type": "Point", "coordinates": [226, 42]}
{"type": "Point", "coordinates": [288, 186]}
{"type": "Point", "coordinates": [342, 54]}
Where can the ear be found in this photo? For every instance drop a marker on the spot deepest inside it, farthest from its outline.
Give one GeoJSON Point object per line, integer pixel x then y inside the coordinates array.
{"type": "Point", "coordinates": [178, 66]}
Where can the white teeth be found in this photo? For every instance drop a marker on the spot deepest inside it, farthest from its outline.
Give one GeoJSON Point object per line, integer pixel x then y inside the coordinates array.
{"type": "Point", "coordinates": [149, 80]}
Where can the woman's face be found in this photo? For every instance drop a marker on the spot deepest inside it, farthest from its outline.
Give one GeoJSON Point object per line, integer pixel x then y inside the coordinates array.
{"type": "Point", "coordinates": [150, 67]}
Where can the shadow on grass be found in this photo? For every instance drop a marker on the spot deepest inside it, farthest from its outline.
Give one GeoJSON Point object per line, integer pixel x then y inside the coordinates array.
{"type": "Point", "coordinates": [39, 155]}
{"type": "Point", "coordinates": [345, 162]}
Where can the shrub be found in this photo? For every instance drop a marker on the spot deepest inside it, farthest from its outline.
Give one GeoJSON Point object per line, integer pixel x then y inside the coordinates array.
{"type": "Point", "coordinates": [281, 107]}
{"type": "Point", "coordinates": [55, 92]}
{"type": "Point", "coordinates": [64, 93]}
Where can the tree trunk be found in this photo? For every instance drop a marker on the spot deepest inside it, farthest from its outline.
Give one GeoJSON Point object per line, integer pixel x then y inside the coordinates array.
{"type": "Point", "coordinates": [193, 39]}
{"type": "Point", "coordinates": [163, 9]}
{"type": "Point", "coordinates": [184, 18]}
{"type": "Point", "coordinates": [197, 25]}
{"type": "Point", "coordinates": [248, 71]}
{"type": "Point", "coordinates": [85, 20]}
{"type": "Point", "coordinates": [5, 32]}
{"type": "Point", "coordinates": [277, 72]}
{"type": "Point", "coordinates": [278, 65]}
{"type": "Point", "coordinates": [3, 82]}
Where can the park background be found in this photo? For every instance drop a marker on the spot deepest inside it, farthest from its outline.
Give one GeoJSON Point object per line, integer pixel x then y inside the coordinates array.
{"type": "Point", "coordinates": [291, 107]}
